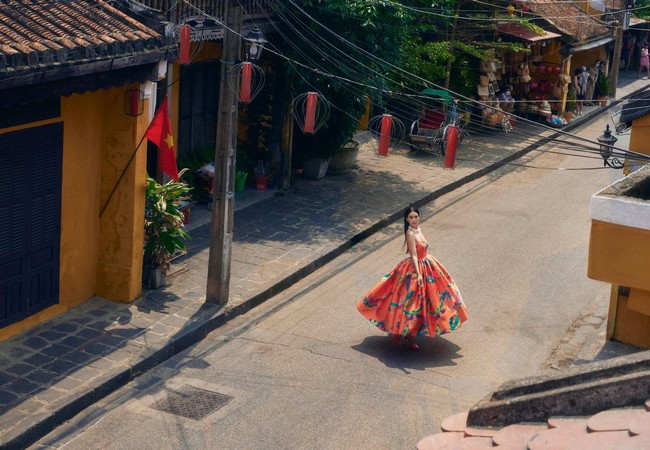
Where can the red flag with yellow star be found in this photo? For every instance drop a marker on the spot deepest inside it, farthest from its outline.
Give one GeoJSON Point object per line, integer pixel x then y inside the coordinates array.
{"type": "Point", "coordinates": [160, 133]}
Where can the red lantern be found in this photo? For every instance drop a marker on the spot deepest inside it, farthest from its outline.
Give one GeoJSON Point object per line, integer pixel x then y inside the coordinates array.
{"type": "Point", "coordinates": [450, 150]}
{"type": "Point", "coordinates": [384, 134]}
{"type": "Point", "coordinates": [246, 77]}
{"type": "Point", "coordinates": [246, 80]}
{"type": "Point", "coordinates": [133, 102]}
{"type": "Point", "coordinates": [310, 112]}
{"type": "Point", "coordinates": [184, 51]}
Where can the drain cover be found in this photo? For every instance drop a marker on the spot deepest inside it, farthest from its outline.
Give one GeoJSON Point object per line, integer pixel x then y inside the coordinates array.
{"type": "Point", "coordinates": [191, 402]}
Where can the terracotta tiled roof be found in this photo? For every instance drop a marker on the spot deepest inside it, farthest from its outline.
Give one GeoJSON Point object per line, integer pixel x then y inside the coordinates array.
{"type": "Point", "coordinates": [570, 20]}
{"type": "Point", "coordinates": [44, 34]}
{"type": "Point", "coordinates": [618, 428]}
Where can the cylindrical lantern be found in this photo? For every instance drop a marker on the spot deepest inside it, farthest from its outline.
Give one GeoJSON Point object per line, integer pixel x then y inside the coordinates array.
{"type": "Point", "coordinates": [184, 51]}
{"type": "Point", "coordinates": [133, 102]}
{"type": "Point", "coordinates": [384, 134]}
{"type": "Point", "coordinates": [450, 151]}
{"type": "Point", "coordinates": [310, 112]}
{"type": "Point", "coordinates": [246, 77]}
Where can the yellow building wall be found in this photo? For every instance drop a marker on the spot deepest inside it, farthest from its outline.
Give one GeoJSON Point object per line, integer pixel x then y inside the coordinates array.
{"type": "Point", "coordinates": [621, 255]}
{"type": "Point", "coordinates": [588, 58]}
{"type": "Point", "coordinates": [96, 258]}
{"type": "Point", "coordinates": [639, 138]}
{"type": "Point", "coordinates": [119, 274]}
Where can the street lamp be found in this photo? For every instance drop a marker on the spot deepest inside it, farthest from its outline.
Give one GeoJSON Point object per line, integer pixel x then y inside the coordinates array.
{"type": "Point", "coordinates": [255, 43]}
{"type": "Point", "coordinates": [607, 141]}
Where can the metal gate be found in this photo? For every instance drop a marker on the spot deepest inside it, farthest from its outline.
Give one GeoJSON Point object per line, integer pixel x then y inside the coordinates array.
{"type": "Point", "coordinates": [30, 218]}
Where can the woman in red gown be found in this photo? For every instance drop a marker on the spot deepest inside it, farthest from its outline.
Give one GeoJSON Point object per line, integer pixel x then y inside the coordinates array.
{"type": "Point", "coordinates": [418, 297]}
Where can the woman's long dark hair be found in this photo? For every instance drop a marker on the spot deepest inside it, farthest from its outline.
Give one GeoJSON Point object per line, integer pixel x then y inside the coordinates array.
{"type": "Point", "coordinates": [408, 211]}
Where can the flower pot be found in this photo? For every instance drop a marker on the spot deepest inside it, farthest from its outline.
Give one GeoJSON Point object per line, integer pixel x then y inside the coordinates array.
{"type": "Point", "coordinates": [315, 168]}
{"type": "Point", "coordinates": [153, 277]}
{"type": "Point", "coordinates": [240, 181]}
{"type": "Point", "coordinates": [568, 115]}
{"type": "Point", "coordinates": [261, 182]}
{"type": "Point", "coordinates": [603, 100]}
{"type": "Point", "coordinates": [343, 160]}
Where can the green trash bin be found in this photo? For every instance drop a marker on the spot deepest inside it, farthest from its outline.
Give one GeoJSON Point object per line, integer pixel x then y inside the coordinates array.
{"type": "Point", "coordinates": [240, 180]}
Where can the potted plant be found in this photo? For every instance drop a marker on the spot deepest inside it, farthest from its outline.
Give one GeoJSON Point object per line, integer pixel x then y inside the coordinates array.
{"type": "Point", "coordinates": [344, 158]}
{"type": "Point", "coordinates": [261, 175]}
{"type": "Point", "coordinates": [602, 89]}
{"type": "Point", "coordinates": [163, 228]}
{"type": "Point", "coordinates": [570, 106]}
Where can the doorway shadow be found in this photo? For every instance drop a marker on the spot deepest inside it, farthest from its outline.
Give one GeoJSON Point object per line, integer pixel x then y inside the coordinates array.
{"type": "Point", "coordinates": [434, 352]}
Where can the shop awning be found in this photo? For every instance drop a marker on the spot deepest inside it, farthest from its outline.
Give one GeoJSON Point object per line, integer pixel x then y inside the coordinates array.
{"type": "Point", "coordinates": [593, 44]}
{"type": "Point", "coordinates": [636, 22]}
{"type": "Point", "coordinates": [524, 33]}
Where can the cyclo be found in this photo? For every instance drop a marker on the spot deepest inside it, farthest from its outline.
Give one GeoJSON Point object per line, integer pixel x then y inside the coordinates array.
{"type": "Point", "coordinates": [429, 131]}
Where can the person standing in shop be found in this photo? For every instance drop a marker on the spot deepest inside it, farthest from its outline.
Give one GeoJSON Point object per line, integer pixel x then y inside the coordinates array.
{"type": "Point", "coordinates": [580, 78]}
{"type": "Point", "coordinates": [591, 82]}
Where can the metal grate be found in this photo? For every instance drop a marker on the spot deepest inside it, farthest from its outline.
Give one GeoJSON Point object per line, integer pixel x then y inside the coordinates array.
{"type": "Point", "coordinates": [191, 402]}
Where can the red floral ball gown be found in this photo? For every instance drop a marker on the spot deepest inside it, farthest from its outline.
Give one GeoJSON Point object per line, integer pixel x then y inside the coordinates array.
{"type": "Point", "coordinates": [399, 306]}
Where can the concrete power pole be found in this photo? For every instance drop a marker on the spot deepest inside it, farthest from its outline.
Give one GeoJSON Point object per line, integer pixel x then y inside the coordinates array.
{"type": "Point", "coordinates": [618, 46]}
{"type": "Point", "coordinates": [218, 284]}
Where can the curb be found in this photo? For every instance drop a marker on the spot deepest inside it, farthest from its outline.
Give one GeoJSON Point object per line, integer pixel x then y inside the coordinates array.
{"type": "Point", "coordinates": [22, 437]}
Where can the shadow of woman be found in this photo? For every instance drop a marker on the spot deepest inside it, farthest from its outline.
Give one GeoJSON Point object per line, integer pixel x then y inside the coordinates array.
{"type": "Point", "coordinates": [434, 352]}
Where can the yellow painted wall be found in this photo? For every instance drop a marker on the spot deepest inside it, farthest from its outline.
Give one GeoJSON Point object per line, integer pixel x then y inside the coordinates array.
{"type": "Point", "coordinates": [588, 57]}
{"type": "Point", "coordinates": [619, 254]}
{"type": "Point", "coordinates": [640, 135]}
{"type": "Point", "coordinates": [119, 274]}
{"type": "Point", "coordinates": [96, 258]}
{"type": "Point", "coordinates": [630, 326]}
{"type": "Point", "coordinates": [639, 138]}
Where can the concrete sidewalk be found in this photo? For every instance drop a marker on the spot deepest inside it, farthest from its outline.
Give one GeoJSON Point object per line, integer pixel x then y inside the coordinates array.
{"type": "Point", "coordinates": [53, 371]}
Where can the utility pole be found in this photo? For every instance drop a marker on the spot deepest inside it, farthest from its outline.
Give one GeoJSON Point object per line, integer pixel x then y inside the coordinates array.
{"type": "Point", "coordinates": [218, 284]}
{"type": "Point", "coordinates": [618, 46]}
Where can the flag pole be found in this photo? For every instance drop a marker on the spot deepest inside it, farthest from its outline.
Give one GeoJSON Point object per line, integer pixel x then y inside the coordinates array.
{"type": "Point", "coordinates": [117, 183]}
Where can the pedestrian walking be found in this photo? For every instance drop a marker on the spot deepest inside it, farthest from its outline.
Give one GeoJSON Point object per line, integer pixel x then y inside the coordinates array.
{"type": "Point", "coordinates": [418, 297]}
{"type": "Point", "coordinates": [644, 62]}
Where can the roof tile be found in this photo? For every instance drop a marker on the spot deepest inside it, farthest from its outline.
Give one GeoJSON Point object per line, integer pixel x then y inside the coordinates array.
{"type": "Point", "coordinates": [554, 438]}
{"type": "Point", "coordinates": [641, 425]}
{"type": "Point", "coordinates": [439, 440]}
{"type": "Point", "coordinates": [571, 19]}
{"type": "Point", "coordinates": [614, 419]}
{"type": "Point", "coordinates": [457, 422]}
{"type": "Point", "coordinates": [608, 440]}
{"type": "Point", "coordinates": [517, 436]}
{"type": "Point", "coordinates": [30, 30]}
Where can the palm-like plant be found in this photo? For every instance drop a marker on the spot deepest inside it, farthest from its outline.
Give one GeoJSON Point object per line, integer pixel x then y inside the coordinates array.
{"type": "Point", "coordinates": [163, 221]}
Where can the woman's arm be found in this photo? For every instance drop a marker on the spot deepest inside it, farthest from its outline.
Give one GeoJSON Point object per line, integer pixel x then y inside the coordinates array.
{"type": "Point", "coordinates": [411, 244]}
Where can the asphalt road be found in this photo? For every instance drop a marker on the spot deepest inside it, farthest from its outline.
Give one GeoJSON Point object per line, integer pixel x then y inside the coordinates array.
{"type": "Point", "coordinates": [305, 370]}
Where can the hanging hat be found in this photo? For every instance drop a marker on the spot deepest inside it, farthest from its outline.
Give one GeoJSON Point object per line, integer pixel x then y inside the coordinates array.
{"type": "Point", "coordinates": [544, 109]}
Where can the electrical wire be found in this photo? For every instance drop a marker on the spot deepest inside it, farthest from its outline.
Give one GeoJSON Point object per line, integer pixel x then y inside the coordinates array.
{"type": "Point", "coordinates": [592, 149]}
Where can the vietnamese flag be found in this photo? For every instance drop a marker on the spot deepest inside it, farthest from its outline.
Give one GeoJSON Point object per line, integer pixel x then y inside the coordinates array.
{"type": "Point", "coordinates": [160, 133]}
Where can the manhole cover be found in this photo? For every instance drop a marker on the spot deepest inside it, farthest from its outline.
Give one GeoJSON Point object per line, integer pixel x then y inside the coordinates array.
{"type": "Point", "coordinates": [191, 402]}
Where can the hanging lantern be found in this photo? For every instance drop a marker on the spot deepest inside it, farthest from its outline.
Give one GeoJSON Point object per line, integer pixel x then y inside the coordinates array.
{"type": "Point", "coordinates": [247, 80]}
{"type": "Point", "coordinates": [133, 102]}
{"type": "Point", "coordinates": [510, 9]}
{"type": "Point", "coordinates": [384, 134]}
{"type": "Point", "coordinates": [450, 149]}
{"type": "Point", "coordinates": [246, 77]}
{"type": "Point", "coordinates": [311, 110]}
{"type": "Point", "coordinates": [184, 50]}
{"type": "Point", "coordinates": [389, 130]}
